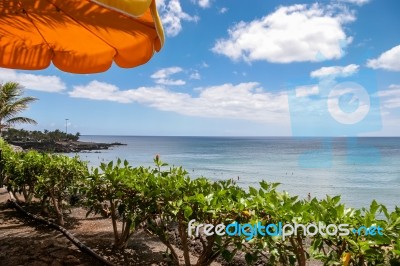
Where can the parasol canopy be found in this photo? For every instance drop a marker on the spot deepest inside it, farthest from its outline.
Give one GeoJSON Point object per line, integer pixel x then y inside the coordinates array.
{"type": "Point", "coordinates": [78, 36]}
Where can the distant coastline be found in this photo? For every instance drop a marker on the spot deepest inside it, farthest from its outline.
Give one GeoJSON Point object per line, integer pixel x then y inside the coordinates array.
{"type": "Point", "coordinates": [53, 141]}
{"type": "Point", "coordinates": [68, 146]}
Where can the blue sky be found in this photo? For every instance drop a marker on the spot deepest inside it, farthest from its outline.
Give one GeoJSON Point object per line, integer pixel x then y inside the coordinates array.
{"type": "Point", "coordinates": [231, 68]}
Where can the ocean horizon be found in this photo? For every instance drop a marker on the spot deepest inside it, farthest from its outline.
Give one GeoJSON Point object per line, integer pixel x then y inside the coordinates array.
{"type": "Point", "coordinates": [359, 169]}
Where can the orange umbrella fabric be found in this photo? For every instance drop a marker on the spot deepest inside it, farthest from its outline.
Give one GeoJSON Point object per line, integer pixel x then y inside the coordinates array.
{"type": "Point", "coordinates": [78, 36]}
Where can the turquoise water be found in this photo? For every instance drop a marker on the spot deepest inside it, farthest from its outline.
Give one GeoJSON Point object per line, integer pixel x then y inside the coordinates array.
{"type": "Point", "coordinates": [358, 169]}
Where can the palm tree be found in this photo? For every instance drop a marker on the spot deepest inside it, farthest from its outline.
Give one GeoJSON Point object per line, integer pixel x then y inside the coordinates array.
{"type": "Point", "coordinates": [12, 103]}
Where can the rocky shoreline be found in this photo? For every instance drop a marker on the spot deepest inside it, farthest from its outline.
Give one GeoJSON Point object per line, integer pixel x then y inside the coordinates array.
{"type": "Point", "coordinates": [63, 146]}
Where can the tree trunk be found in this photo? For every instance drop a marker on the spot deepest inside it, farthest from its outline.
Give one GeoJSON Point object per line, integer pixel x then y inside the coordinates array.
{"type": "Point", "coordinates": [114, 222]}
{"type": "Point", "coordinates": [125, 235]}
{"type": "Point", "coordinates": [58, 208]}
{"type": "Point", "coordinates": [183, 235]}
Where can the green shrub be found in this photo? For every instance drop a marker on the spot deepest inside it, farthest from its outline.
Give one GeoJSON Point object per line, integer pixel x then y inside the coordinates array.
{"type": "Point", "coordinates": [163, 197]}
{"type": "Point", "coordinates": [181, 199]}
{"type": "Point", "coordinates": [23, 170]}
{"type": "Point", "coordinates": [59, 180]}
{"type": "Point", "coordinates": [122, 193]}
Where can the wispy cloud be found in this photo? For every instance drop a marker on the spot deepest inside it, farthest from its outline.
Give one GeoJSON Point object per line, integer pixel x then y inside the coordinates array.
{"type": "Point", "coordinates": [33, 82]}
{"type": "Point", "coordinates": [223, 10]}
{"type": "Point", "coordinates": [389, 60]}
{"type": "Point", "coordinates": [356, 2]}
{"type": "Point", "coordinates": [246, 101]}
{"type": "Point", "coordinates": [305, 91]}
{"type": "Point", "coordinates": [202, 3]}
{"type": "Point", "coordinates": [335, 71]}
{"type": "Point", "coordinates": [390, 98]}
{"type": "Point", "coordinates": [172, 15]}
{"type": "Point", "coordinates": [101, 91]}
{"type": "Point", "coordinates": [162, 76]}
{"type": "Point", "coordinates": [204, 65]}
{"type": "Point", "coordinates": [295, 33]}
{"type": "Point", "coordinates": [195, 75]}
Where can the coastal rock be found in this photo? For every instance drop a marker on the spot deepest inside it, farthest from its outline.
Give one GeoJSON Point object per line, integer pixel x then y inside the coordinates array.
{"type": "Point", "coordinates": [61, 146]}
{"type": "Point", "coordinates": [16, 148]}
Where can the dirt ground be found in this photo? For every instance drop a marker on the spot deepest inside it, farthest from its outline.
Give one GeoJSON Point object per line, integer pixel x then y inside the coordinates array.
{"type": "Point", "coordinates": [26, 242]}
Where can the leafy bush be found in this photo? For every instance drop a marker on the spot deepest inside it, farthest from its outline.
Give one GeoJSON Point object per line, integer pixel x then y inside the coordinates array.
{"type": "Point", "coordinates": [181, 199]}
{"type": "Point", "coordinates": [121, 192]}
{"type": "Point", "coordinates": [6, 153]}
{"type": "Point", "coordinates": [13, 134]}
{"type": "Point", "coordinates": [59, 179]}
{"type": "Point", "coordinates": [164, 198]}
{"type": "Point", "coordinates": [23, 171]}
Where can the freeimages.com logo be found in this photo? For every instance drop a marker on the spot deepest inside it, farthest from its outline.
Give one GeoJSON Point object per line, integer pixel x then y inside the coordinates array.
{"type": "Point", "coordinates": [251, 231]}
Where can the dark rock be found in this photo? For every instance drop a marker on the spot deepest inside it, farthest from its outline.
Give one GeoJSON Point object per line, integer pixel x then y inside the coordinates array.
{"type": "Point", "coordinates": [63, 146]}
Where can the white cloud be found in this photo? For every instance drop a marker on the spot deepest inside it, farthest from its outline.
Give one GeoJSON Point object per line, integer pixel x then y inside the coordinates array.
{"type": "Point", "coordinates": [295, 33]}
{"type": "Point", "coordinates": [390, 98]}
{"type": "Point", "coordinates": [389, 60]}
{"type": "Point", "coordinates": [356, 2]}
{"type": "Point", "coordinates": [195, 75]}
{"type": "Point", "coordinates": [305, 91]}
{"type": "Point", "coordinates": [223, 10]}
{"type": "Point", "coordinates": [172, 15]}
{"type": "Point", "coordinates": [203, 3]}
{"type": "Point", "coordinates": [97, 90]}
{"type": "Point", "coordinates": [166, 72]}
{"type": "Point", "coordinates": [33, 82]}
{"type": "Point", "coordinates": [243, 101]}
{"type": "Point", "coordinates": [204, 65]}
{"type": "Point", "coordinates": [162, 76]}
{"type": "Point", "coordinates": [335, 71]}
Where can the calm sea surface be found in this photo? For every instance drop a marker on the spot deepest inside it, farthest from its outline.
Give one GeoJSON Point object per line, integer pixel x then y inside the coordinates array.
{"type": "Point", "coordinates": [358, 169]}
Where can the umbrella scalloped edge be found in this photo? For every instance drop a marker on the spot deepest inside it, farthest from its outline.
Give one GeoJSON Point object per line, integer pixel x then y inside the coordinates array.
{"type": "Point", "coordinates": [24, 44]}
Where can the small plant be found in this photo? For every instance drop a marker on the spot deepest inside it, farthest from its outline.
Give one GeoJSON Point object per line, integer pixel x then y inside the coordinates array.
{"type": "Point", "coordinates": [122, 193]}
{"type": "Point", "coordinates": [23, 170]}
{"type": "Point", "coordinates": [58, 181]}
{"type": "Point", "coordinates": [181, 199]}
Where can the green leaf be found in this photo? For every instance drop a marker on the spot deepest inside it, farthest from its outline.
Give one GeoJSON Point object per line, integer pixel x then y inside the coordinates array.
{"type": "Point", "coordinates": [264, 185]}
{"type": "Point", "coordinates": [187, 212]}
{"type": "Point", "coordinates": [253, 191]}
{"type": "Point", "coordinates": [373, 207]}
{"type": "Point", "coordinates": [250, 259]}
{"type": "Point", "coordinates": [228, 256]}
{"type": "Point", "coordinates": [336, 200]}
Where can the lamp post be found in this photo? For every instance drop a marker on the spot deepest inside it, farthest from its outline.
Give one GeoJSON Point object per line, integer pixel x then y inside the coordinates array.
{"type": "Point", "coordinates": [66, 126]}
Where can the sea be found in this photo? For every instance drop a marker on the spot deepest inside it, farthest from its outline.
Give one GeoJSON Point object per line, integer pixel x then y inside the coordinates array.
{"type": "Point", "coordinates": [359, 169]}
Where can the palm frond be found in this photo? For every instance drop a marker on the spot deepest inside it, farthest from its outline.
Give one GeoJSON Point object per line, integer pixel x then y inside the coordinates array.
{"type": "Point", "coordinates": [12, 103]}
{"type": "Point", "coordinates": [20, 119]}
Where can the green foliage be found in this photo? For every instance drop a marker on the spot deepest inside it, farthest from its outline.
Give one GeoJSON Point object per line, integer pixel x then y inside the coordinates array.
{"type": "Point", "coordinates": [13, 134]}
{"type": "Point", "coordinates": [59, 179]}
{"type": "Point", "coordinates": [181, 199]}
{"type": "Point", "coordinates": [12, 104]}
{"type": "Point", "coordinates": [121, 192]}
{"type": "Point", "coordinates": [163, 198]}
{"type": "Point", "coordinates": [6, 153]}
{"type": "Point", "coordinates": [49, 178]}
{"type": "Point", "coordinates": [23, 171]}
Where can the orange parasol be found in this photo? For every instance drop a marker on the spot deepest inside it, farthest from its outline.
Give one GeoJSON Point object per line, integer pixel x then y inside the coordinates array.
{"type": "Point", "coordinates": [78, 36]}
